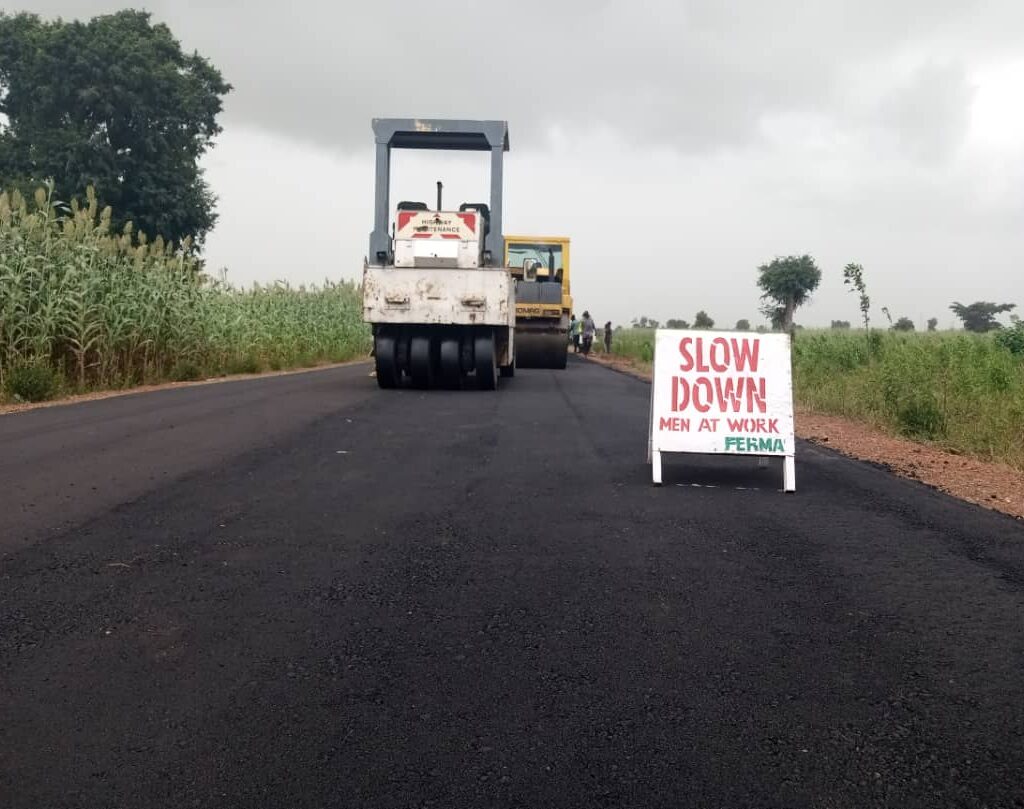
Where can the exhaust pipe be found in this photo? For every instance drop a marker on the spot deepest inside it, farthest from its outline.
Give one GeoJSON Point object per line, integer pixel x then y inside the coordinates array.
{"type": "Point", "coordinates": [439, 187]}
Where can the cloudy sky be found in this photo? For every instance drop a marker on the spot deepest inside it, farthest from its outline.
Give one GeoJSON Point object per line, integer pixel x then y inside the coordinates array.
{"type": "Point", "coordinates": [679, 144]}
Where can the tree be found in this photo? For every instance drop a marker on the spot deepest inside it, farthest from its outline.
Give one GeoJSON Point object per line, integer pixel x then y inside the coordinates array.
{"type": "Point", "coordinates": [786, 284]}
{"type": "Point", "coordinates": [853, 276]}
{"type": "Point", "coordinates": [885, 311]}
{"type": "Point", "coordinates": [903, 324]}
{"type": "Point", "coordinates": [116, 104]}
{"type": "Point", "coordinates": [743, 325]}
{"type": "Point", "coordinates": [980, 316]}
{"type": "Point", "coordinates": [702, 321]}
{"type": "Point", "coordinates": [840, 324]}
{"type": "Point", "coordinates": [933, 323]}
{"type": "Point", "coordinates": [674, 323]}
{"type": "Point", "coordinates": [645, 323]}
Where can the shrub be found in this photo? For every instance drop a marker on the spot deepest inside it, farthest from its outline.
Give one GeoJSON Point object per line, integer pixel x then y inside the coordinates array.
{"type": "Point", "coordinates": [184, 371]}
{"type": "Point", "coordinates": [34, 382]}
{"type": "Point", "coordinates": [1012, 339]}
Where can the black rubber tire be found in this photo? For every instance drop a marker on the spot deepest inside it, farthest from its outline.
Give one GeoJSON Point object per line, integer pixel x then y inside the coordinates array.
{"type": "Point", "coordinates": [451, 363]}
{"type": "Point", "coordinates": [421, 362]}
{"type": "Point", "coordinates": [486, 362]}
{"type": "Point", "coordinates": [385, 358]}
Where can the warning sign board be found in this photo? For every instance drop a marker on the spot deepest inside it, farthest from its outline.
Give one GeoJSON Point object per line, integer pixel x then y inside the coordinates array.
{"type": "Point", "coordinates": [437, 225]}
{"type": "Point", "coordinates": [722, 393]}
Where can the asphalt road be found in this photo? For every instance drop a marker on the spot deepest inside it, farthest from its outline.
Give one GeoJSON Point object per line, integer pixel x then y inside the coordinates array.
{"type": "Point", "coordinates": [305, 592]}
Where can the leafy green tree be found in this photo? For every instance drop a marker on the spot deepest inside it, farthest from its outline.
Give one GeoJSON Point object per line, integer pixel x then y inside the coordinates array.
{"type": "Point", "coordinates": [903, 324]}
{"type": "Point", "coordinates": [646, 323]}
{"type": "Point", "coordinates": [743, 325]}
{"type": "Point", "coordinates": [980, 316]}
{"type": "Point", "coordinates": [840, 324]}
{"type": "Point", "coordinates": [113, 103]}
{"type": "Point", "coordinates": [787, 283]}
{"type": "Point", "coordinates": [675, 323]}
{"type": "Point", "coordinates": [933, 323]}
{"type": "Point", "coordinates": [703, 321]}
{"type": "Point", "coordinates": [853, 276]}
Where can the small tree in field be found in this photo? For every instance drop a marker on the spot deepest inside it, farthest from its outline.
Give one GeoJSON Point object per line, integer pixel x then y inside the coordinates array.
{"type": "Point", "coordinates": [787, 283]}
{"type": "Point", "coordinates": [676, 323]}
{"type": "Point", "coordinates": [981, 315]}
{"type": "Point", "coordinates": [903, 324]}
{"type": "Point", "coordinates": [840, 324]}
{"type": "Point", "coordinates": [703, 321]}
{"type": "Point", "coordinates": [743, 325]}
{"type": "Point", "coordinates": [933, 323]}
{"type": "Point", "coordinates": [853, 276]}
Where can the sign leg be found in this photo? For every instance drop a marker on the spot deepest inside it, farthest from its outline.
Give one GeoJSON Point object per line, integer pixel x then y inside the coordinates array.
{"type": "Point", "coordinates": [656, 467]}
{"type": "Point", "coordinates": [789, 474]}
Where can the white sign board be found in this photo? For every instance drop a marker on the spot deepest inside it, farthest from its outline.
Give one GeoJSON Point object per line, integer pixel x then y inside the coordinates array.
{"type": "Point", "coordinates": [728, 393]}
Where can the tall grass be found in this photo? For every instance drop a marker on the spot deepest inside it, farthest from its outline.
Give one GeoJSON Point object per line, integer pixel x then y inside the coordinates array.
{"type": "Point", "coordinates": [98, 309]}
{"type": "Point", "coordinates": [963, 391]}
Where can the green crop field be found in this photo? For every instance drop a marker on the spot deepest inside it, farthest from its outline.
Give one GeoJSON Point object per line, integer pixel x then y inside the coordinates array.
{"type": "Point", "coordinates": [81, 308]}
{"type": "Point", "coordinates": [962, 391]}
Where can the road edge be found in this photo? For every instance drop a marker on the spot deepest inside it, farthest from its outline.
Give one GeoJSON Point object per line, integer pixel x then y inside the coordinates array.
{"type": "Point", "coordinates": [81, 398]}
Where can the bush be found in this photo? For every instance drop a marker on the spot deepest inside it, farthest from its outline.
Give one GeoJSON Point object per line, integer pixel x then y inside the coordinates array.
{"type": "Point", "coordinates": [243, 365]}
{"type": "Point", "coordinates": [1012, 339]}
{"type": "Point", "coordinates": [31, 383]}
{"type": "Point", "coordinates": [920, 417]}
{"type": "Point", "coordinates": [185, 372]}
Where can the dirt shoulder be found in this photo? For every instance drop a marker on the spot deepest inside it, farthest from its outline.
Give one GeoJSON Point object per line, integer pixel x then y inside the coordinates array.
{"type": "Point", "coordinates": [21, 407]}
{"type": "Point", "coordinates": [993, 485]}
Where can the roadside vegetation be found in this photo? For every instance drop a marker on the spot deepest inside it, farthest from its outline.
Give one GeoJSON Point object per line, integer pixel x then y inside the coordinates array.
{"type": "Point", "coordinates": [83, 308]}
{"type": "Point", "coordinates": [961, 390]}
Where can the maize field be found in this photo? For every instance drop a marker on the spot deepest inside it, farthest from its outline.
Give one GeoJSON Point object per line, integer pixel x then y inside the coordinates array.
{"type": "Point", "coordinates": [82, 308]}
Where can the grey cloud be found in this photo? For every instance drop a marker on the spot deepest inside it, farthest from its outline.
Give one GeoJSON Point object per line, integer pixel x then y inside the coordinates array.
{"type": "Point", "coordinates": [692, 75]}
{"type": "Point", "coordinates": [930, 114]}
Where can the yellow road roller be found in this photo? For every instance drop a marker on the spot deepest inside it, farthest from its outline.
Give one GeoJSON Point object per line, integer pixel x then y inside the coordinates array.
{"type": "Point", "coordinates": [540, 265]}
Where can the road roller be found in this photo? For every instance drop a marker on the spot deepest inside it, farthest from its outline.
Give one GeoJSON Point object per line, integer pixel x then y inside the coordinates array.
{"type": "Point", "coordinates": [540, 265]}
{"type": "Point", "coordinates": [440, 301]}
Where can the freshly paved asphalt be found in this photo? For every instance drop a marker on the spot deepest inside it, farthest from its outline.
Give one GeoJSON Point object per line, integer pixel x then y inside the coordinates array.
{"type": "Point", "coordinates": [305, 592]}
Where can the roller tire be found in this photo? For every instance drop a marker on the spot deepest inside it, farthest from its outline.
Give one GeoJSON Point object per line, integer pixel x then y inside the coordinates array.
{"type": "Point", "coordinates": [421, 362]}
{"type": "Point", "coordinates": [385, 356]}
{"type": "Point", "coordinates": [451, 363]}
{"type": "Point", "coordinates": [486, 362]}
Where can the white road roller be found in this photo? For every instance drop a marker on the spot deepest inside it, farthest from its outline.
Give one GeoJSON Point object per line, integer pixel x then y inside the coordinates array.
{"type": "Point", "coordinates": [436, 292]}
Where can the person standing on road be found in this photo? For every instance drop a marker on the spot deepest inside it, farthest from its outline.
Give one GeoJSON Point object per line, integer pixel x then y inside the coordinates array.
{"type": "Point", "coordinates": [589, 330]}
{"type": "Point", "coordinates": [608, 337]}
{"type": "Point", "coordinates": [574, 333]}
